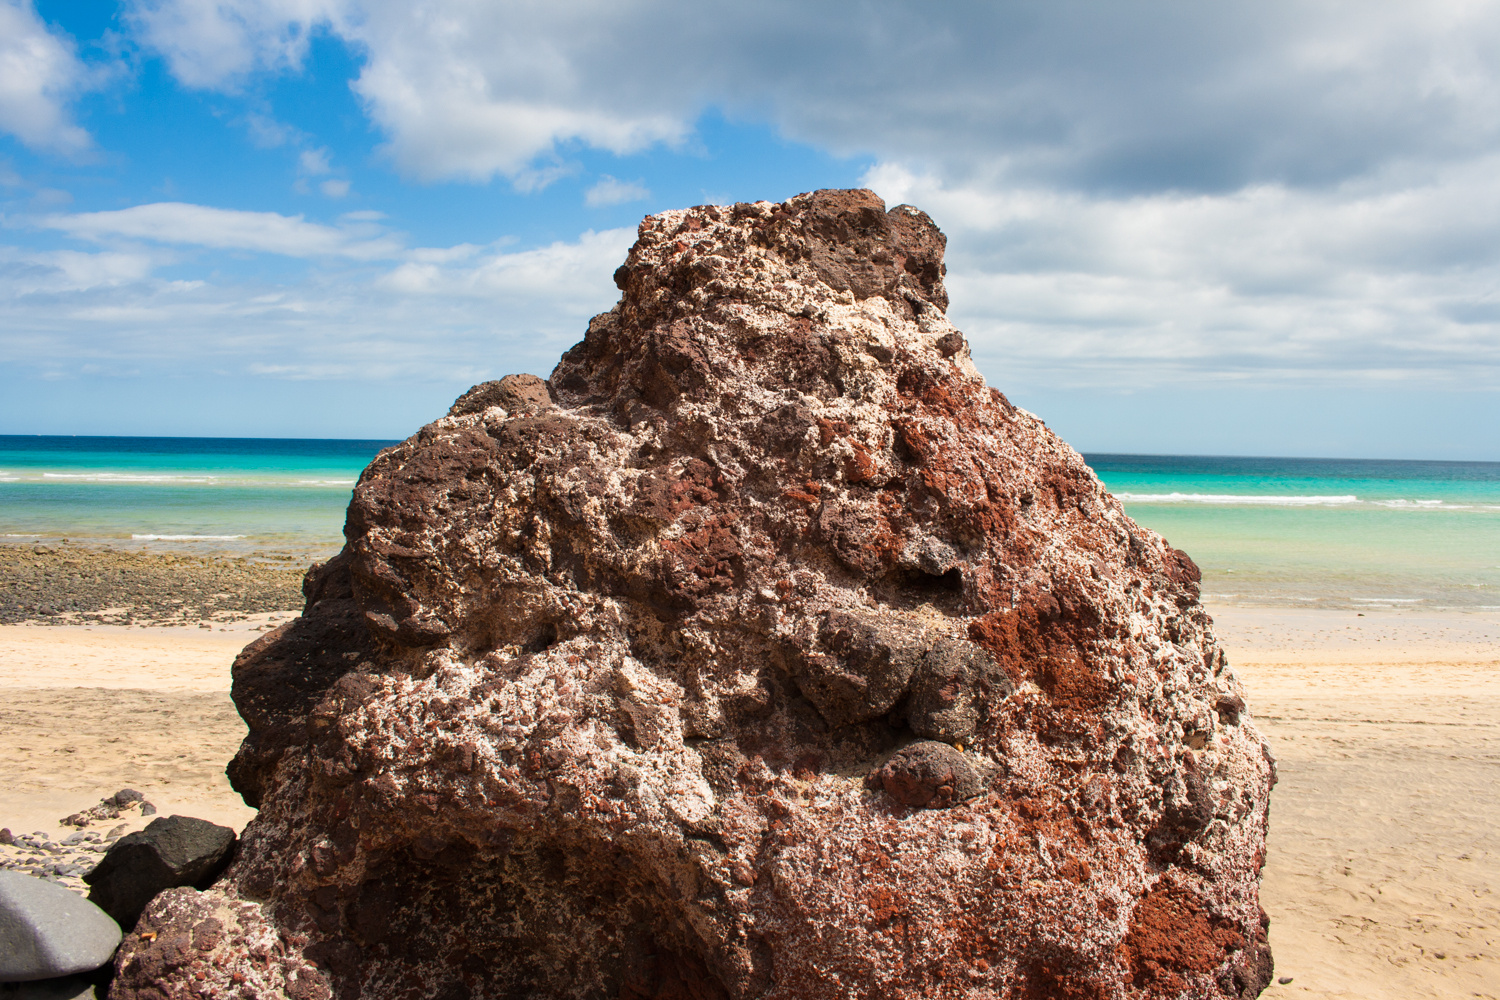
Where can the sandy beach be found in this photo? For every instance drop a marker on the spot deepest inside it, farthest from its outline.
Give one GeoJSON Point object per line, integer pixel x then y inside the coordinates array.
{"type": "Point", "coordinates": [1384, 857]}
{"type": "Point", "coordinates": [88, 710]}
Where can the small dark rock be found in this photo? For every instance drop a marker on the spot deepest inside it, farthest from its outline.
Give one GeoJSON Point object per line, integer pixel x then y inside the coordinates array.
{"type": "Point", "coordinates": [147, 809]}
{"type": "Point", "coordinates": [955, 680]}
{"type": "Point", "coordinates": [951, 343]}
{"type": "Point", "coordinates": [126, 796]}
{"type": "Point", "coordinates": [172, 851]}
{"type": "Point", "coordinates": [930, 775]}
{"type": "Point", "coordinates": [1284, 980]}
{"type": "Point", "coordinates": [862, 669]}
{"type": "Point", "coordinates": [6, 837]}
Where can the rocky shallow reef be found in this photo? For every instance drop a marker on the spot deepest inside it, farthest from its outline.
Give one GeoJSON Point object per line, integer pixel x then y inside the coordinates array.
{"type": "Point", "coordinates": [82, 585]}
{"type": "Point", "coordinates": [763, 651]}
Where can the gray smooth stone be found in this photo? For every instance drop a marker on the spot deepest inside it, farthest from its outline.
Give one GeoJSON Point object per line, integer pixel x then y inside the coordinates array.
{"type": "Point", "coordinates": [48, 931]}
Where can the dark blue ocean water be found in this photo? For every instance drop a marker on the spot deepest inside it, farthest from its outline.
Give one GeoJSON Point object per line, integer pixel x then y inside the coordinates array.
{"type": "Point", "coordinates": [1282, 531]}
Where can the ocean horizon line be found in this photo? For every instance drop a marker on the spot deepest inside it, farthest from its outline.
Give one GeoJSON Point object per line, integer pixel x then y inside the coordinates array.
{"type": "Point", "coordinates": [120, 441]}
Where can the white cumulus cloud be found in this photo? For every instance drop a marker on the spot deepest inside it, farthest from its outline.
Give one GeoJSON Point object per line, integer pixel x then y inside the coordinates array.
{"type": "Point", "coordinates": [1361, 282]}
{"type": "Point", "coordinates": [216, 43]}
{"type": "Point", "coordinates": [39, 72]}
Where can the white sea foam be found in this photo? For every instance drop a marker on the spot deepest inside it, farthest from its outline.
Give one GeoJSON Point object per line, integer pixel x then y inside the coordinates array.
{"type": "Point", "coordinates": [127, 477]}
{"type": "Point", "coordinates": [1423, 505]}
{"type": "Point", "coordinates": [1292, 500]}
{"type": "Point", "coordinates": [172, 479]}
{"type": "Point", "coordinates": [185, 538]}
{"type": "Point", "coordinates": [1276, 500]}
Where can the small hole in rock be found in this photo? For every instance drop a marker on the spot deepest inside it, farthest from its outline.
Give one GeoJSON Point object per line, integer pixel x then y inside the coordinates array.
{"type": "Point", "coordinates": [933, 584]}
{"type": "Point", "coordinates": [544, 637]}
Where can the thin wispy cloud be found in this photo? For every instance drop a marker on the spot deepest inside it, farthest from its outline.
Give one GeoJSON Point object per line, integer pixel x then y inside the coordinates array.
{"type": "Point", "coordinates": [430, 314]}
{"type": "Point", "coordinates": [226, 229]}
{"type": "Point", "coordinates": [609, 191]}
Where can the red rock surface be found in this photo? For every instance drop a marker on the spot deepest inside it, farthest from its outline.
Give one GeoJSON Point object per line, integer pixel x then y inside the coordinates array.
{"type": "Point", "coordinates": [764, 651]}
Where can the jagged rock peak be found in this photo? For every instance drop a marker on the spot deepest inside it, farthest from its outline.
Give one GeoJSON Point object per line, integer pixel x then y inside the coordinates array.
{"type": "Point", "coordinates": [763, 651]}
{"type": "Point", "coordinates": [708, 291]}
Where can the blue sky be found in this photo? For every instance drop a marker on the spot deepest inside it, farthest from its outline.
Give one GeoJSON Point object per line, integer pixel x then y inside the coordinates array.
{"type": "Point", "coordinates": [1263, 228]}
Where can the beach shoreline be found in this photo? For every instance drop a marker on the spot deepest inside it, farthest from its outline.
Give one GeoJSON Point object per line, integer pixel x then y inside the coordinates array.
{"type": "Point", "coordinates": [1382, 865]}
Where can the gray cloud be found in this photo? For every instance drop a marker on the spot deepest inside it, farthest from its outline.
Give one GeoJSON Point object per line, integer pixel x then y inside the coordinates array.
{"type": "Point", "coordinates": [1117, 97]}
{"type": "Point", "coordinates": [1353, 284]}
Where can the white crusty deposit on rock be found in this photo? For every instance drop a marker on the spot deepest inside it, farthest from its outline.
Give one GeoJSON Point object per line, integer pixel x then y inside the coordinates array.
{"type": "Point", "coordinates": [762, 651]}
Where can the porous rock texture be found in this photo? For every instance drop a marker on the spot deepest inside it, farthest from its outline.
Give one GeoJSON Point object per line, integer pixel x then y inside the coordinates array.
{"type": "Point", "coordinates": [763, 651]}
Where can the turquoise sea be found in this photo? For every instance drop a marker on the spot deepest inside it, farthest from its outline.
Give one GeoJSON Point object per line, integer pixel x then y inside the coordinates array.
{"type": "Point", "coordinates": [238, 495]}
{"type": "Point", "coordinates": [1266, 531]}
{"type": "Point", "coordinates": [1323, 532]}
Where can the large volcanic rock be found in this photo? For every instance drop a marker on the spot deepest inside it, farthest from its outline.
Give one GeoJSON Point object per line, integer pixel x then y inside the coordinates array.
{"type": "Point", "coordinates": [764, 651]}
